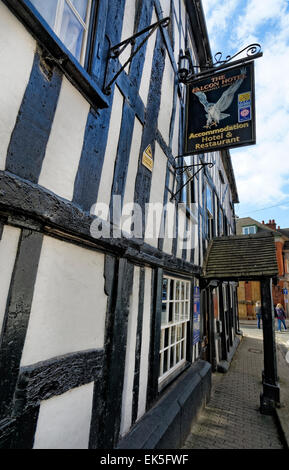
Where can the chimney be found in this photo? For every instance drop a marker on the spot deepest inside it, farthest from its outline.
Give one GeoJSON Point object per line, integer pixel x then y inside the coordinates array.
{"type": "Point", "coordinates": [271, 224]}
{"type": "Point", "coordinates": [263, 222]}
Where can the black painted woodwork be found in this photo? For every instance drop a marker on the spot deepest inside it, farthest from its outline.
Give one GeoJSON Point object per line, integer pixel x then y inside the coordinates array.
{"type": "Point", "coordinates": [223, 320]}
{"type": "Point", "coordinates": [115, 357]}
{"type": "Point", "coordinates": [168, 423]}
{"type": "Point", "coordinates": [144, 176]}
{"type": "Point", "coordinates": [138, 344]}
{"type": "Point", "coordinates": [29, 138]}
{"type": "Point", "coordinates": [96, 133]}
{"type": "Point", "coordinates": [270, 398]}
{"type": "Point", "coordinates": [56, 376]}
{"type": "Point", "coordinates": [42, 381]}
{"type": "Point", "coordinates": [100, 387]}
{"type": "Point", "coordinates": [17, 315]}
{"type": "Point", "coordinates": [153, 376]}
{"type": "Point", "coordinates": [67, 221]}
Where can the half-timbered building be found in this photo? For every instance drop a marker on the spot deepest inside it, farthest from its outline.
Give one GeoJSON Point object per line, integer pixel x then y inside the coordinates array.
{"type": "Point", "coordinates": [109, 332]}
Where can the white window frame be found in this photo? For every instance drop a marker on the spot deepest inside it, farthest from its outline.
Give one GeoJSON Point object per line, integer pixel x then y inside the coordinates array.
{"type": "Point", "coordinates": [210, 216]}
{"type": "Point", "coordinates": [174, 326]}
{"type": "Point", "coordinates": [246, 230]}
{"type": "Point", "coordinates": [85, 24]}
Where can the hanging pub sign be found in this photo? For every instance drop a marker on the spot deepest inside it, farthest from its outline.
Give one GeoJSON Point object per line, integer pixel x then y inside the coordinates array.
{"type": "Point", "coordinates": [221, 110]}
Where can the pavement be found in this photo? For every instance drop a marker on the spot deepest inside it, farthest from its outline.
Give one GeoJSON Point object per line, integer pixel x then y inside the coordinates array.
{"type": "Point", "coordinates": [231, 419]}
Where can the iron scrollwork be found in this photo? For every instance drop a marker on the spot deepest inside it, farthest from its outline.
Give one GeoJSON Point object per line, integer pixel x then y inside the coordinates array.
{"type": "Point", "coordinates": [253, 51]}
{"type": "Point", "coordinates": [117, 50]}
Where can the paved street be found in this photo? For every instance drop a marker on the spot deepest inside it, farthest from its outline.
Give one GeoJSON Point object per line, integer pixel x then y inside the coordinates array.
{"type": "Point", "coordinates": [232, 420]}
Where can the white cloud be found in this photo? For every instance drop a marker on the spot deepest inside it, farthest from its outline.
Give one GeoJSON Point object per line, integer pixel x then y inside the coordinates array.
{"type": "Point", "coordinates": [218, 16]}
{"type": "Point", "coordinates": [256, 14]}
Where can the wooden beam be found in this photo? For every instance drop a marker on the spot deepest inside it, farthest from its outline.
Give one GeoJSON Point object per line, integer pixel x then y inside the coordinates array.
{"type": "Point", "coordinates": [270, 398]}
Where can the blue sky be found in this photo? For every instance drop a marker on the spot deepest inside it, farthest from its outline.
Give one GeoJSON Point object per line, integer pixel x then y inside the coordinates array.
{"type": "Point", "coordinates": [261, 170]}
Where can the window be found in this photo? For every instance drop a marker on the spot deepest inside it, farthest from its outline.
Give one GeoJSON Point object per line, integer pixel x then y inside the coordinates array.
{"type": "Point", "coordinates": [188, 196]}
{"type": "Point", "coordinates": [210, 219]}
{"type": "Point", "coordinates": [174, 325]}
{"type": "Point", "coordinates": [221, 217]}
{"type": "Point", "coordinates": [69, 19]}
{"type": "Point", "coordinates": [249, 230]}
{"type": "Point", "coordinates": [188, 191]}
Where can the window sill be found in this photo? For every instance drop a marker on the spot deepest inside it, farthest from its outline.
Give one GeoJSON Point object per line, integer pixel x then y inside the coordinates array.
{"type": "Point", "coordinates": [167, 379]}
{"type": "Point", "coordinates": [74, 72]}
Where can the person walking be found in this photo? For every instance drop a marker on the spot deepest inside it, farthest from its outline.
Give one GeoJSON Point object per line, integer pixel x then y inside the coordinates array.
{"type": "Point", "coordinates": [280, 317]}
{"type": "Point", "coordinates": [258, 311]}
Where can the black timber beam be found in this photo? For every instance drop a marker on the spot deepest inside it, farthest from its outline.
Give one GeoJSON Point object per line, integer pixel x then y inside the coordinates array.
{"type": "Point", "coordinates": [65, 220]}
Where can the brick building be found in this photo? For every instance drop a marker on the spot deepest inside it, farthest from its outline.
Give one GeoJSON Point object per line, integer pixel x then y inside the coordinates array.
{"type": "Point", "coordinates": [249, 291]}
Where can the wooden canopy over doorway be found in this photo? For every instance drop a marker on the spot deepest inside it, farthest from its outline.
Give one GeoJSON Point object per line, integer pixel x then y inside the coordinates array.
{"type": "Point", "coordinates": [251, 257]}
{"type": "Point", "coordinates": [241, 257]}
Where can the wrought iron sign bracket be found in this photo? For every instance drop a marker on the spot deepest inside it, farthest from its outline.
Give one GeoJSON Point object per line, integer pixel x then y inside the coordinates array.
{"type": "Point", "coordinates": [117, 50]}
{"type": "Point", "coordinates": [186, 67]}
{"type": "Point", "coordinates": [182, 169]}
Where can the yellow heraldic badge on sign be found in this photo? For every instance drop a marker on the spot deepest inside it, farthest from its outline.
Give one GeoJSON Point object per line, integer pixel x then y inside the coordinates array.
{"type": "Point", "coordinates": [147, 158]}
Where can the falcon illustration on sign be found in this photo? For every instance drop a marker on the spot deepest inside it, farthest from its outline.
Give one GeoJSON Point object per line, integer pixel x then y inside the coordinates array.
{"type": "Point", "coordinates": [215, 110]}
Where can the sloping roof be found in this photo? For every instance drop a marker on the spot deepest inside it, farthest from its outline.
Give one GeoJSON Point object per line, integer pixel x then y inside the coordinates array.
{"type": "Point", "coordinates": [247, 221]}
{"type": "Point", "coordinates": [241, 257]}
{"type": "Point", "coordinates": [284, 231]}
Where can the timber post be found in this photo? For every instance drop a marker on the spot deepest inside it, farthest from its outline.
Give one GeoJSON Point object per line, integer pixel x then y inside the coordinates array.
{"type": "Point", "coordinates": [270, 398]}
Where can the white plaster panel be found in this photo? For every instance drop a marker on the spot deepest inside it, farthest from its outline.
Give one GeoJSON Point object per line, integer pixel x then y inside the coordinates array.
{"type": "Point", "coordinates": [147, 68]}
{"type": "Point", "coordinates": [168, 240]}
{"type": "Point", "coordinates": [104, 191]}
{"type": "Point", "coordinates": [133, 162]}
{"type": "Point", "coordinates": [8, 251]}
{"type": "Point", "coordinates": [17, 49]}
{"type": "Point", "coordinates": [69, 304]}
{"type": "Point", "coordinates": [177, 9]}
{"type": "Point", "coordinates": [127, 394]}
{"type": "Point", "coordinates": [177, 40]}
{"type": "Point", "coordinates": [127, 29]}
{"type": "Point", "coordinates": [170, 219]}
{"type": "Point", "coordinates": [175, 141]}
{"type": "Point", "coordinates": [182, 41]}
{"type": "Point", "coordinates": [216, 214]}
{"type": "Point", "coordinates": [156, 194]}
{"type": "Point", "coordinates": [196, 245]}
{"type": "Point", "coordinates": [181, 231]}
{"type": "Point", "coordinates": [183, 14]}
{"type": "Point", "coordinates": [65, 142]}
{"type": "Point", "coordinates": [145, 344]}
{"type": "Point", "coordinates": [166, 106]}
{"type": "Point", "coordinates": [190, 244]}
{"type": "Point", "coordinates": [64, 420]}
{"type": "Point", "coordinates": [165, 5]}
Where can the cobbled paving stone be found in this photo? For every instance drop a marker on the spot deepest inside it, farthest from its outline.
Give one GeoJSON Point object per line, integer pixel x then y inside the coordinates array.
{"type": "Point", "coordinates": [232, 420]}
